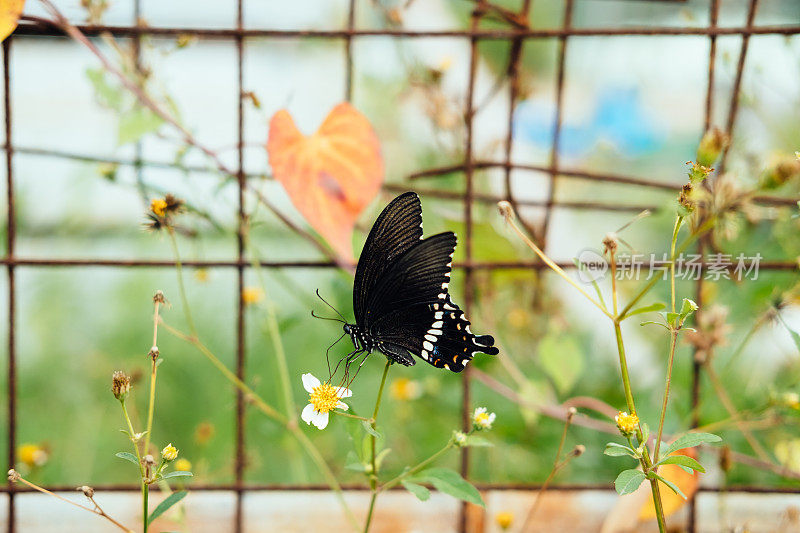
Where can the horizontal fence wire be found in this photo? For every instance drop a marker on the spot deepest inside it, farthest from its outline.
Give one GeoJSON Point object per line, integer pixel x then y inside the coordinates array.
{"type": "Point", "coordinates": [37, 27]}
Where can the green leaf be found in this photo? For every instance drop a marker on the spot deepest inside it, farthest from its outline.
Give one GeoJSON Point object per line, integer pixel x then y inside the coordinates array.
{"type": "Point", "coordinates": [690, 440]}
{"type": "Point", "coordinates": [687, 308]}
{"type": "Point", "coordinates": [628, 481]}
{"type": "Point", "coordinates": [654, 322]}
{"type": "Point", "coordinates": [683, 460]}
{"type": "Point", "coordinates": [369, 429]}
{"type": "Point", "coordinates": [422, 493]}
{"type": "Point", "coordinates": [658, 306]}
{"type": "Point", "coordinates": [168, 502]}
{"type": "Point", "coordinates": [672, 318]}
{"type": "Point", "coordinates": [562, 360]}
{"type": "Point", "coordinates": [176, 473]}
{"type": "Point", "coordinates": [128, 457]}
{"type": "Point", "coordinates": [136, 123]}
{"type": "Point", "coordinates": [477, 441]}
{"type": "Point", "coordinates": [108, 95]}
{"type": "Point", "coordinates": [380, 456]}
{"type": "Point", "coordinates": [618, 450]}
{"type": "Point", "coordinates": [450, 482]}
{"type": "Point", "coordinates": [671, 485]}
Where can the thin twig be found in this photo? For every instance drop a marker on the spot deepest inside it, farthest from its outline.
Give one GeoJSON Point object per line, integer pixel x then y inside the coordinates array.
{"type": "Point", "coordinates": [97, 511]}
{"type": "Point", "coordinates": [557, 465]}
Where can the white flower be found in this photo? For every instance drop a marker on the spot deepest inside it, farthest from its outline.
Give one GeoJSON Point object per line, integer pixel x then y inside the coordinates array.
{"type": "Point", "coordinates": [482, 419]}
{"type": "Point", "coordinates": [460, 439]}
{"type": "Point", "coordinates": [322, 398]}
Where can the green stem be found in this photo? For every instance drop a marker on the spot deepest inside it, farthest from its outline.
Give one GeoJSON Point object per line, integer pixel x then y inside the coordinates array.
{"type": "Point", "coordinates": [673, 338]}
{"type": "Point", "coordinates": [274, 332]}
{"type": "Point", "coordinates": [145, 506]}
{"type": "Point", "coordinates": [132, 433]}
{"type": "Point", "coordinates": [672, 341]}
{"type": "Point", "coordinates": [410, 472]}
{"type": "Point", "coordinates": [152, 405]}
{"type": "Point", "coordinates": [373, 478]}
{"type": "Point", "coordinates": [181, 289]}
{"type": "Point", "coordinates": [626, 385]}
{"type": "Point", "coordinates": [702, 230]}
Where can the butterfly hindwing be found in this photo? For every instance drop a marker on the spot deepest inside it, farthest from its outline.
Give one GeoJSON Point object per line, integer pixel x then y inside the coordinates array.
{"type": "Point", "coordinates": [439, 333]}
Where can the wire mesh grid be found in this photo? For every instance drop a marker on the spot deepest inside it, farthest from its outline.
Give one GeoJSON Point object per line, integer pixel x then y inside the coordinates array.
{"type": "Point", "coordinates": [517, 33]}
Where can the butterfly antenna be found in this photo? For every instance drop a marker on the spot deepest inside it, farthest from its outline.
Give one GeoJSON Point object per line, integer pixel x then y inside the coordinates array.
{"type": "Point", "coordinates": [327, 318]}
{"type": "Point", "coordinates": [332, 307]}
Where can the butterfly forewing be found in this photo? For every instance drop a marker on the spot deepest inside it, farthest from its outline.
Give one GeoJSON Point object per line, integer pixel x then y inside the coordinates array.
{"type": "Point", "coordinates": [396, 230]}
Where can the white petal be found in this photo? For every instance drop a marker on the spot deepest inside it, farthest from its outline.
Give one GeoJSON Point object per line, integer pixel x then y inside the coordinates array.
{"type": "Point", "coordinates": [342, 406]}
{"type": "Point", "coordinates": [308, 414]}
{"type": "Point", "coordinates": [320, 419]}
{"type": "Point", "coordinates": [310, 382]}
{"type": "Point", "coordinates": [344, 393]}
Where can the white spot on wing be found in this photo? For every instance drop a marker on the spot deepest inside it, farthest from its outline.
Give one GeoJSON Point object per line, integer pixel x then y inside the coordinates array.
{"type": "Point", "coordinates": [438, 323]}
{"type": "Point", "coordinates": [427, 345]}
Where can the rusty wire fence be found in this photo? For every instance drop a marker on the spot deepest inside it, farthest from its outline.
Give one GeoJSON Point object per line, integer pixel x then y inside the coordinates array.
{"type": "Point", "coordinates": [517, 32]}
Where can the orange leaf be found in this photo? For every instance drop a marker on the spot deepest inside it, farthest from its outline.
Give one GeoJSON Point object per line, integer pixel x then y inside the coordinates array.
{"type": "Point", "coordinates": [10, 11]}
{"type": "Point", "coordinates": [332, 175]}
{"type": "Point", "coordinates": [685, 481]}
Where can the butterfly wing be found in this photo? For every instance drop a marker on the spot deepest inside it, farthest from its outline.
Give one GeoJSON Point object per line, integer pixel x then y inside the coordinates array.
{"type": "Point", "coordinates": [410, 311]}
{"type": "Point", "coordinates": [397, 229]}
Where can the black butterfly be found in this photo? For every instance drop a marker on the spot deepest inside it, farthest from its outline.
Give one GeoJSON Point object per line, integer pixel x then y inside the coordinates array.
{"type": "Point", "coordinates": [400, 295]}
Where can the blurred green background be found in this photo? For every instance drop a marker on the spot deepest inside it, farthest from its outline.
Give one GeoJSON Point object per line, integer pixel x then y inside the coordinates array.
{"type": "Point", "coordinates": [632, 106]}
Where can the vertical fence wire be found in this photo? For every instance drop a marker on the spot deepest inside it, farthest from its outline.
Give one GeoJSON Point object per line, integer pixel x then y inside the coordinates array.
{"type": "Point", "coordinates": [240, 461]}
{"type": "Point", "coordinates": [11, 310]}
{"type": "Point", "coordinates": [469, 111]}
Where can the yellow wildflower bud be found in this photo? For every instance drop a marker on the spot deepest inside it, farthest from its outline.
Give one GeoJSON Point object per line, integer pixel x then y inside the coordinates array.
{"type": "Point", "coordinates": [504, 519]}
{"type": "Point", "coordinates": [183, 465]}
{"type": "Point", "coordinates": [158, 206]}
{"type": "Point", "coordinates": [252, 295]}
{"type": "Point", "coordinates": [626, 423]}
{"type": "Point", "coordinates": [169, 453]}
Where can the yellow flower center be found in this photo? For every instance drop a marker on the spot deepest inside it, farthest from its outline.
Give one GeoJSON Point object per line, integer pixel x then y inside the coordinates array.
{"type": "Point", "coordinates": [324, 398]}
{"type": "Point", "coordinates": [627, 423]}
{"type": "Point", "coordinates": [482, 419]}
{"type": "Point", "coordinates": [158, 206]}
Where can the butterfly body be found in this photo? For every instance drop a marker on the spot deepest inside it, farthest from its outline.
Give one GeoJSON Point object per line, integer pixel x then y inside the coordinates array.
{"type": "Point", "coordinates": [400, 295]}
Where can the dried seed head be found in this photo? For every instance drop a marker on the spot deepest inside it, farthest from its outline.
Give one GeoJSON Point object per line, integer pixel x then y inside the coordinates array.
{"type": "Point", "coordinates": [13, 476]}
{"type": "Point", "coordinates": [87, 491]}
{"type": "Point", "coordinates": [153, 353]}
{"type": "Point", "coordinates": [506, 210]}
{"type": "Point", "coordinates": [120, 385]}
{"type": "Point", "coordinates": [159, 297]}
{"type": "Point", "coordinates": [148, 460]}
{"type": "Point", "coordinates": [578, 450]}
{"type": "Point", "coordinates": [610, 244]}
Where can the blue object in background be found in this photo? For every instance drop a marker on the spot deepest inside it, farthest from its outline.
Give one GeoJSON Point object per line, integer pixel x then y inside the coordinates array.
{"type": "Point", "coordinates": [619, 119]}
